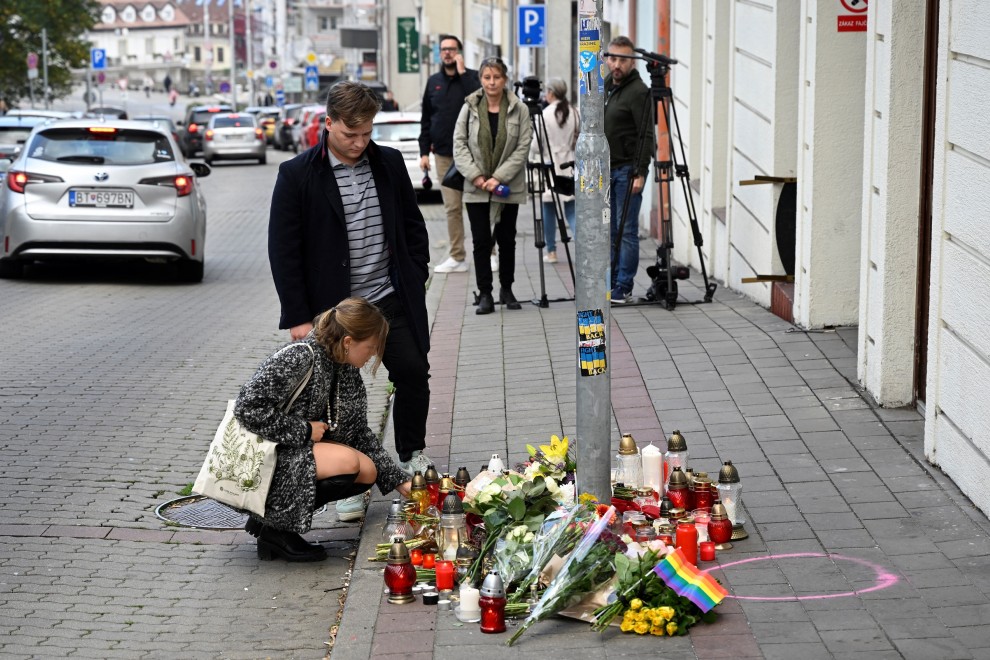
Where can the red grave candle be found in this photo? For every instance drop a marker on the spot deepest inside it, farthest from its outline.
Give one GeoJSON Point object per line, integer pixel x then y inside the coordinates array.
{"type": "Point", "coordinates": [687, 541]}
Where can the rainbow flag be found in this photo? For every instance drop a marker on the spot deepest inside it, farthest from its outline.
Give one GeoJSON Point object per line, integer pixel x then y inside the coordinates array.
{"type": "Point", "coordinates": [686, 580]}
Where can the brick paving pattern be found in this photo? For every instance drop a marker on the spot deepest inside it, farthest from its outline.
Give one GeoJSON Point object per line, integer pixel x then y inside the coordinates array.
{"type": "Point", "coordinates": [114, 380]}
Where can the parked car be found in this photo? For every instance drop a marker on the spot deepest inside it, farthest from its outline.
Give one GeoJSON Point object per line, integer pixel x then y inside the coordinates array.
{"type": "Point", "coordinates": [313, 128]}
{"type": "Point", "coordinates": [191, 128]}
{"type": "Point", "coordinates": [283, 125]}
{"type": "Point", "coordinates": [301, 125]}
{"type": "Point", "coordinates": [401, 131]}
{"type": "Point", "coordinates": [267, 116]}
{"type": "Point", "coordinates": [108, 111]}
{"type": "Point", "coordinates": [103, 189]}
{"type": "Point", "coordinates": [163, 121]}
{"type": "Point", "coordinates": [234, 136]}
{"type": "Point", "coordinates": [14, 131]}
{"type": "Point", "coordinates": [31, 112]}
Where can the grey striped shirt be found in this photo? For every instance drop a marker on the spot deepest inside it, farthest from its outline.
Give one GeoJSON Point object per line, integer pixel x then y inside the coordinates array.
{"type": "Point", "coordinates": [369, 254]}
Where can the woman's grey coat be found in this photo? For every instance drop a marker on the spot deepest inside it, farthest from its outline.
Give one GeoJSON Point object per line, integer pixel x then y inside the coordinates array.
{"type": "Point", "coordinates": [259, 408]}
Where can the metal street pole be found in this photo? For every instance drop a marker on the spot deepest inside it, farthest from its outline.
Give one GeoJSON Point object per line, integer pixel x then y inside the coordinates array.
{"type": "Point", "coordinates": [592, 264]}
{"type": "Point", "coordinates": [207, 49]}
{"type": "Point", "coordinates": [44, 63]}
{"type": "Point", "coordinates": [233, 54]}
{"type": "Point", "coordinates": [248, 18]}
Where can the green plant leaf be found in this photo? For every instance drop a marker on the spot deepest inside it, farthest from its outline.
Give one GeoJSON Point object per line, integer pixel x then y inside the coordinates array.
{"type": "Point", "coordinates": [517, 508]}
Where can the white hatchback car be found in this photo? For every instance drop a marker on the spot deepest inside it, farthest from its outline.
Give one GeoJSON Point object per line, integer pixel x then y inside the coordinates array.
{"type": "Point", "coordinates": [102, 189]}
{"type": "Point", "coordinates": [235, 135]}
{"type": "Point", "coordinates": [400, 130]}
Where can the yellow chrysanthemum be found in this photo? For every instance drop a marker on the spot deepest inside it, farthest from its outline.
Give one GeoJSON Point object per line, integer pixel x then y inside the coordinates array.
{"type": "Point", "coordinates": [667, 612]}
{"type": "Point", "coordinates": [657, 630]}
{"type": "Point", "coordinates": [635, 604]}
{"type": "Point", "coordinates": [587, 498]}
{"type": "Point", "coordinates": [658, 620]}
{"type": "Point", "coordinates": [556, 451]}
{"type": "Point", "coordinates": [625, 626]}
{"type": "Point", "coordinates": [671, 628]}
{"type": "Point", "coordinates": [628, 615]}
{"type": "Point", "coordinates": [642, 628]}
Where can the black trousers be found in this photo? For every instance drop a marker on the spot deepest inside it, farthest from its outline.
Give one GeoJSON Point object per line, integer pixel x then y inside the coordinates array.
{"type": "Point", "coordinates": [504, 235]}
{"type": "Point", "coordinates": [409, 370]}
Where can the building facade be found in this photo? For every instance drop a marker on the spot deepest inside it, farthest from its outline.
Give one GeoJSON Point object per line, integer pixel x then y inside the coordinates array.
{"type": "Point", "coordinates": [848, 149]}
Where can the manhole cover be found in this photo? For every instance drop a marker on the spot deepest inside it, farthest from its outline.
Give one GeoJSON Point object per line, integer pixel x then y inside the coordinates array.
{"type": "Point", "coordinates": [201, 512]}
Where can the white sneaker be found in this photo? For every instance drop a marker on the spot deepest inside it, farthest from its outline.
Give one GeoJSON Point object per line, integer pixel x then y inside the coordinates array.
{"type": "Point", "coordinates": [451, 265]}
{"type": "Point", "coordinates": [494, 263]}
{"type": "Point", "coordinates": [350, 508]}
{"type": "Point", "coordinates": [550, 258]}
{"type": "Point", "coordinates": [419, 461]}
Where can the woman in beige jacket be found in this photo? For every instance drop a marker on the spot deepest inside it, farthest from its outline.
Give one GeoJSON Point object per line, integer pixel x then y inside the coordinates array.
{"type": "Point", "coordinates": [491, 144]}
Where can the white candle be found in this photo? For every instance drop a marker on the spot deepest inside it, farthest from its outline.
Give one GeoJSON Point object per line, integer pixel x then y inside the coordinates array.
{"type": "Point", "coordinates": [470, 599]}
{"type": "Point", "coordinates": [652, 468]}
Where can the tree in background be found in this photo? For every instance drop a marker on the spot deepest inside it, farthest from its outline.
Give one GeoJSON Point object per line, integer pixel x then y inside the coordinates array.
{"type": "Point", "coordinates": [21, 22]}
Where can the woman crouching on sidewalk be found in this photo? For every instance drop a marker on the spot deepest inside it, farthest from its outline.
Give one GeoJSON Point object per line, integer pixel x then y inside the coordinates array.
{"type": "Point", "coordinates": [325, 450]}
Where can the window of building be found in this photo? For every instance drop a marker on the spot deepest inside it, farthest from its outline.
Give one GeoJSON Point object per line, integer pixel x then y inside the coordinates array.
{"type": "Point", "coordinates": [197, 54]}
{"type": "Point", "coordinates": [149, 46]}
{"type": "Point", "coordinates": [219, 54]}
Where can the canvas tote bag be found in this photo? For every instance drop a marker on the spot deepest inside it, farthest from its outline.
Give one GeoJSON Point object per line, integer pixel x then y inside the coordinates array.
{"type": "Point", "coordinates": [239, 464]}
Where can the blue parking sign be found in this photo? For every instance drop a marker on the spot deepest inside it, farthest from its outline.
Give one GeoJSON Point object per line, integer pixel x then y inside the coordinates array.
{"type": "Point", "coordinates": [98, 58]}
{"type": "Point", "coordinates": [532, 26]}
{"type": "Point", "coordinates": [280, 97]}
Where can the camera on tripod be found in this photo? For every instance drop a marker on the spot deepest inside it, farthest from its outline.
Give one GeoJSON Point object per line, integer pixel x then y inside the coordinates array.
{"type": "Point", "coordinates": [529, 90]}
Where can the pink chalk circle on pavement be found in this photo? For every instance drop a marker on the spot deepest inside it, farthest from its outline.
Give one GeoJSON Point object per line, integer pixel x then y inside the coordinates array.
{"type": "Point", "coordinates": [884, 579]}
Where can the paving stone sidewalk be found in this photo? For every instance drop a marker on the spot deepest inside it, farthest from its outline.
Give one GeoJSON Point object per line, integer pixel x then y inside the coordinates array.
{"type": "Point", "coordinates": [857, 548]}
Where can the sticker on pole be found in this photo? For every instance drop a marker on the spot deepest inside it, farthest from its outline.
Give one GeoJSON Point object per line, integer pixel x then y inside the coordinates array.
{"type": "Point", "coordinates": [591, 342]}
{"type": "Point", "coordinates": [587, 61]}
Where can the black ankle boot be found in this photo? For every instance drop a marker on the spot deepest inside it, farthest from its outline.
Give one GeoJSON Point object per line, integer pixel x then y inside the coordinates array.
{"type": "Point", "coordinates": [486, 304]}
{"type": "Point", "coordinates": [274, 543]}
{"type": "Point", "coordinates": [506, 298]}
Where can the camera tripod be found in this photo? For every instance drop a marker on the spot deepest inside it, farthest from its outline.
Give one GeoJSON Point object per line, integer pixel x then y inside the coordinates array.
{"type": "Point", "coordinates": [540, 178]}
{"type": "Point", "coordinates": [663, 274]}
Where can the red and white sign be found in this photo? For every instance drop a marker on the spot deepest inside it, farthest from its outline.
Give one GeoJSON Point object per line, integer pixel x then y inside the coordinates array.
{"type": "Point", "coordinates": [852, 16]}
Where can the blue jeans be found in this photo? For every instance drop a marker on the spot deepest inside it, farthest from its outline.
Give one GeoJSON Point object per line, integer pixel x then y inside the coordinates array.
{"type": "Point", "coordinates": [624, 271]}
{"type": "Point", "coordinates": [550, 223]}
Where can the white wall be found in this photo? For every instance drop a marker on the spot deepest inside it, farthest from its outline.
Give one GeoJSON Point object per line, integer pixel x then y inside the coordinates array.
{"type": "Point", "coordinates": [762, 135]}
{"type": "Point", "coordinates": [891, 172]}
{"type": "Point", "coordinates": [830, 168]}
{"type": "Point", "coordinates": [957, 425]}
{"type": "Point", "coordinates": [715, 133]}
{"type": "Point", "coordinates": [687, 46]}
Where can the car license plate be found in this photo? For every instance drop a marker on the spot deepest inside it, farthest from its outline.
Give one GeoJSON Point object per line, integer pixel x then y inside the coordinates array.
{"type": "Point", "coordinates": [102, 198]}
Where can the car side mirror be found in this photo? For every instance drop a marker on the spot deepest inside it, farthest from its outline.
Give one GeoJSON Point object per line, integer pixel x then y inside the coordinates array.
{"type": "Point", "coordinates": [200, 169]}
{"type": "Point", "coordinates": [5, 164]}
{"type": "Point", "coordinates": [180, 123]}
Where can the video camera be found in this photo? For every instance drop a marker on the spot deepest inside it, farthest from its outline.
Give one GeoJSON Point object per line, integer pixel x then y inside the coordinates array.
{"type": "Point", "coordinates": [530, 89]}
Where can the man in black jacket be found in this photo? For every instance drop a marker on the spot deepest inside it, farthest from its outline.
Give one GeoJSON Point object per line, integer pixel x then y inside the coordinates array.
{"type": "Point", "coordinates": [442, 101]}
{"type": "Point", "coordinates": [627, 111]}
{"type": "Point", "coordinates": [344, 222]}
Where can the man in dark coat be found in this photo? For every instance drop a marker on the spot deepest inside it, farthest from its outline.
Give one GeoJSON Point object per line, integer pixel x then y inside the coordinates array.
{"type": "Point", "coordinates": [344, 222]}
{"type": "Point", "coordinates": [442, 100]}
{"type": "Point", "coordinates": [627, 112]}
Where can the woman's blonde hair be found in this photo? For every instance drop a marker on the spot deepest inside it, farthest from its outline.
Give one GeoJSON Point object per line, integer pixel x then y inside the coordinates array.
{"type": "Point", "coordinates": [355, 318]}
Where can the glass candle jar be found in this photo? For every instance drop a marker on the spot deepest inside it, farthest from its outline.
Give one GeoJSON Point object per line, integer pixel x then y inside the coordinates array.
{"type": "Point", "coordinates": [675, 456]}
{"type": "Point", "coordinates": [629, 463]}
{"type": "Point", "coordinates": [492, 604]}
{"type": "Point", "coordinates": [704, 492]}
{"type": "Point", "coordinates": [677, 489]}
{"type": "Point", "coordinates": [720, 527]}
{"type": "Point", "coordinates": [400, 575]}
{"type": "Point", "coordinates": [445, 575]}
{"type": "Point", "coordinates": [687, 541]}
{"type": "Point", "coordinates": [432, 478]}
{"type": "Point", "coordinates": [707, 551]}
{"type": "Point", "coordinates": [730, 492]}
{"type": "Point", "coordinates": [701, 518]}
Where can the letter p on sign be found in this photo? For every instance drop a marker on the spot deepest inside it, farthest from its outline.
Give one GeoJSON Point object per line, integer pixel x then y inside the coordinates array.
{"type": "Point", "coordinates": [532, 26]}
